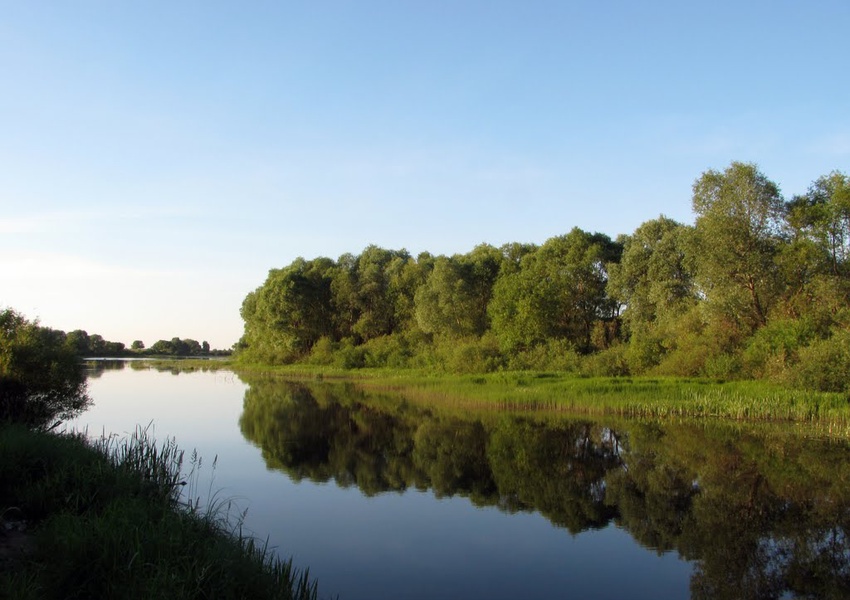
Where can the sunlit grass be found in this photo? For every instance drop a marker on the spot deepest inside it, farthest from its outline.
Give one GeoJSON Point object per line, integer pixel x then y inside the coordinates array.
{"type": "Point", "coordinates": [653, 397]}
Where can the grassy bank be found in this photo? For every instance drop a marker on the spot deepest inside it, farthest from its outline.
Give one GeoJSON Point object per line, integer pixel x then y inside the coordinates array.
{"type": "Point", "coordinates": [624, 396]}
{"type": "Point", "coordinates": [105, 519]}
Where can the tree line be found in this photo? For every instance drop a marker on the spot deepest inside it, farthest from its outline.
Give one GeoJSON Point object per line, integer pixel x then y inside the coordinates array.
{"type": "Point", "coordinates": [41, 369]}
{"type": "Point", "coordinates": [757, 287]}
{"type": "Point", "coordinates": [85, 345]}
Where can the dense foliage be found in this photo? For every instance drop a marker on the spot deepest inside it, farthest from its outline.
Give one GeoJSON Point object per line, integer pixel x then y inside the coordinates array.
{"type": "Point", "coordinates": [41, 377]}
{"type": "Point", "coordinates": [758, 287]}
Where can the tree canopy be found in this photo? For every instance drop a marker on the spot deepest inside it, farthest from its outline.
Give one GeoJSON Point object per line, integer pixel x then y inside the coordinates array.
{"type": "Point", "coordinates": [757, 287]}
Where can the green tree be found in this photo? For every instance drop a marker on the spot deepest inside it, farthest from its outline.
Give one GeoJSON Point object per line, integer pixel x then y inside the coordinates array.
{"type": "Point", "coordinates": [558, 292]}
{"type": "Point", "coordinates": [291, 311]}
{"type": "Point", "coordinates": [454, 299]}
{"type": "Point", "coordinates": [78, 342]}
{"type": "Point", "coordinates": [738, 226]}
{"type": "Point", "coordinates": [655, 283]}
{"type": "Point", "coordinates": [405, 276]}
{"type": "Point", "coordinates": [375, 296]}
{"type": "Point", "coordinates": [822, 216]}
{"type": "Point", "coordinates": [137, 345]}
{"type": "Point", "coordinates": [163, 347]}
{"type": "Point", "coordinates": [653, 277]}
{"type": "Point", "coordinates": [41, 377]}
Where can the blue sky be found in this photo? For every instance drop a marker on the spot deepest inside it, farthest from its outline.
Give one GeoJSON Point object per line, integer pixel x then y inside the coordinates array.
{"type": "Point", "coordinates": [158, 158]}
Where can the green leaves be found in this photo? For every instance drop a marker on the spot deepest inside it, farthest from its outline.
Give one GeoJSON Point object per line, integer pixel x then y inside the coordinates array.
{"type": "Point", "coordinates": [559, 292]}
{"type": "Point", "coordinates": [41, 378]}
{"type": "Point", "coordinates": [738, 225]}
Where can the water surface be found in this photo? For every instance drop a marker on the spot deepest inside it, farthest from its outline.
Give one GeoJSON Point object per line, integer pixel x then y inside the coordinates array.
{"type": "Point", "coordinates": [382, 498]}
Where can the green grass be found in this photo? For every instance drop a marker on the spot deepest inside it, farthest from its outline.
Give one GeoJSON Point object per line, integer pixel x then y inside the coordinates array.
{"type": "Point", "coordinates": [108, 522]}
{"type": "Point", "coordinates": [654, 397]}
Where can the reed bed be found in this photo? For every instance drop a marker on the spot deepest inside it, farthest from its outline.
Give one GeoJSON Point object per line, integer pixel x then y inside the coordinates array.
{"type": "Point", "coordinates": [108, 519]}
{"type": "Point", "coordinates": [652, 397]}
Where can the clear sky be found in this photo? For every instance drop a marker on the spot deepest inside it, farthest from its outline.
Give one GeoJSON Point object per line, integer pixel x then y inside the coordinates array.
{"type": "Point", "coordinates": [158, 158]}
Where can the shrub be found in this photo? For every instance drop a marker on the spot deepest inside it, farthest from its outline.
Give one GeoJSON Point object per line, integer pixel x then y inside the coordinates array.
{"type": "Point", "coordinates": [608, 363]}
{"type": "Point", "coordinates": [41, 379]}
{"type": "Point", "coordinates": [723, 366]}
{"type": "Point", "coordinates": [553, 355]}
{"type": "Point", "coordinates": [825, 364]}
{"type": "Point", "coordinates": [774, 347]}
{"type": "Point", "coordinates": [322, 352]}
{"type": "Point", "coordinates": [350, 356]}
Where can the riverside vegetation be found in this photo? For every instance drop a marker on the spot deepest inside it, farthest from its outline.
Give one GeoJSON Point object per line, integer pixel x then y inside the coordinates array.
{"type": "Point", "coordinates": [628, 397]}
{"type": "Point", "coordinates": [107, 518]}
{"type": "Point", "coordinates": [757, 289]}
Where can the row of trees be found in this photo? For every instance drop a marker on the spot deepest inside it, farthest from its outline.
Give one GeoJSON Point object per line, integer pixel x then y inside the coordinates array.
{"type": "Point", "coordinates": [757, 287]}
{"type": "Point", "coordinates": [94, 345]}
{"type": "Point", "coordinates": [42, 376]}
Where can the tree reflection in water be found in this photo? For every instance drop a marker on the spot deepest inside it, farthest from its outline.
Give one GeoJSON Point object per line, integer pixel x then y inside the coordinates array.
{"type": "Point", "coordinates": [763, 514]}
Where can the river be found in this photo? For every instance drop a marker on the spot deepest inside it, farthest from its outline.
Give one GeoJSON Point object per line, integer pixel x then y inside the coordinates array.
{"type": "Point", "coordinates": [385, 498]}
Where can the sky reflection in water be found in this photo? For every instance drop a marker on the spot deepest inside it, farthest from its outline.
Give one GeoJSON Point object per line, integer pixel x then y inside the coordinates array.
{"type": "Point", "coordinates": [417, 545]}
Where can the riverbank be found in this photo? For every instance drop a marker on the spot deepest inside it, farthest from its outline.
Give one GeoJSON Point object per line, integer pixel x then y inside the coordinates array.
{"type": "Point", "coordinates": [650, 397]}
{"type": "Point", "coordinates": [106, 519]}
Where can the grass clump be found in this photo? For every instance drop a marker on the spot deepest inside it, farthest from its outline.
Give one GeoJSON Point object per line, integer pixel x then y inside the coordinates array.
{"type": "Point", "coordinates": [106, 519]}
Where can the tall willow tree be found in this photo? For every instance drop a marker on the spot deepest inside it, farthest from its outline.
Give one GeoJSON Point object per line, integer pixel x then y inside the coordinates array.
{"type": "Point", "coordinates": [822, 216]}
{"type": "Point", "coordinates": [738, 236]}
{"type": "Point", "coordinates": [373, 293]}
{"type": "Point", "coordinates": [454, 299]}
{"type": "Point", "coordinates": [290, 312]}
{"type": "Point", "coordinates": [655, 283]}
{"type": "Point", "coordinates": [557, 294]}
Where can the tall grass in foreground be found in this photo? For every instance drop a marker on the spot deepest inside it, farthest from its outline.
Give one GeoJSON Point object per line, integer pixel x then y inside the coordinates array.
{"type": "Point", "coordinates": [109, 522]}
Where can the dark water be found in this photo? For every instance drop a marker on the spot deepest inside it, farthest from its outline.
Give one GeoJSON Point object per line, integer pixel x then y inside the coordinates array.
{"type": "Point", "coordinates": [381, 498]}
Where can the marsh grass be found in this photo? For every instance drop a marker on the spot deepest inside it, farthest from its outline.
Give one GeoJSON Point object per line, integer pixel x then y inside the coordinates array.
{"type": "Point", "coordinates": [649, 397]}
{"type": "Point", "coordinates": [110, 520]}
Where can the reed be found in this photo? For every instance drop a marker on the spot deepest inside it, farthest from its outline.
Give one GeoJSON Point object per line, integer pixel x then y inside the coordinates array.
{"type": "Point", "coordinates": [652, 397]}
{"type": "Point", "coordinates": [108, 520]}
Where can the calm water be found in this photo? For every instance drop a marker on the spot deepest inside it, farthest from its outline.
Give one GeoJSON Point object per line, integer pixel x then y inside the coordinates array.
{"type": "Point", "coordinates": [381, 499]}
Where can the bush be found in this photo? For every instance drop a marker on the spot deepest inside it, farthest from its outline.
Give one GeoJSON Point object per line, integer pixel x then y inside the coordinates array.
{"type": "Point", "coordinates": [41, 379]}
{"type": "Point", "coordinates": [394, 351]}
{"type": "Point", "coordinates": [349, 356]}
{"type": "Point", "coordinates": [774, 347]}
{"type": "Point", "coordinates": [553, 355]}
{"type": "Point", "coordinates": [825, 364]}
{"type": "Point", "coordinates": [644, 351]}
{"type": "Point", "coordinates": [608, 363]}
{"type": "Point", "coordinates": [723, 366]}
{"type": "Point", "coordinates": [322, 352]}
{"type": "Point", "coordinates": [472, 355]}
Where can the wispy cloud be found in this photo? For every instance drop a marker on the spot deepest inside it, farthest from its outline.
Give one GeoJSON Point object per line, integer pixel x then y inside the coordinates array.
{"type": "Point", "coordinates": [61, 220]}
{"type": "Point", "coordinates": [24, 267]}
{"type": "Point", "coordinates": [27, 224]}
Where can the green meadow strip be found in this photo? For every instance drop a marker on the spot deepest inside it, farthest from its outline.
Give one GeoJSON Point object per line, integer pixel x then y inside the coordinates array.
{"type": "Point", "coordinates": [625, 396]}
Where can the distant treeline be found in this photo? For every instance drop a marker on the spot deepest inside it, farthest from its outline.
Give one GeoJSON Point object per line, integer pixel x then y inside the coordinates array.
{"type": "Point", "coordinates": [85, 345]}
{"type": "Point", "coordinates": [758, 287]}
